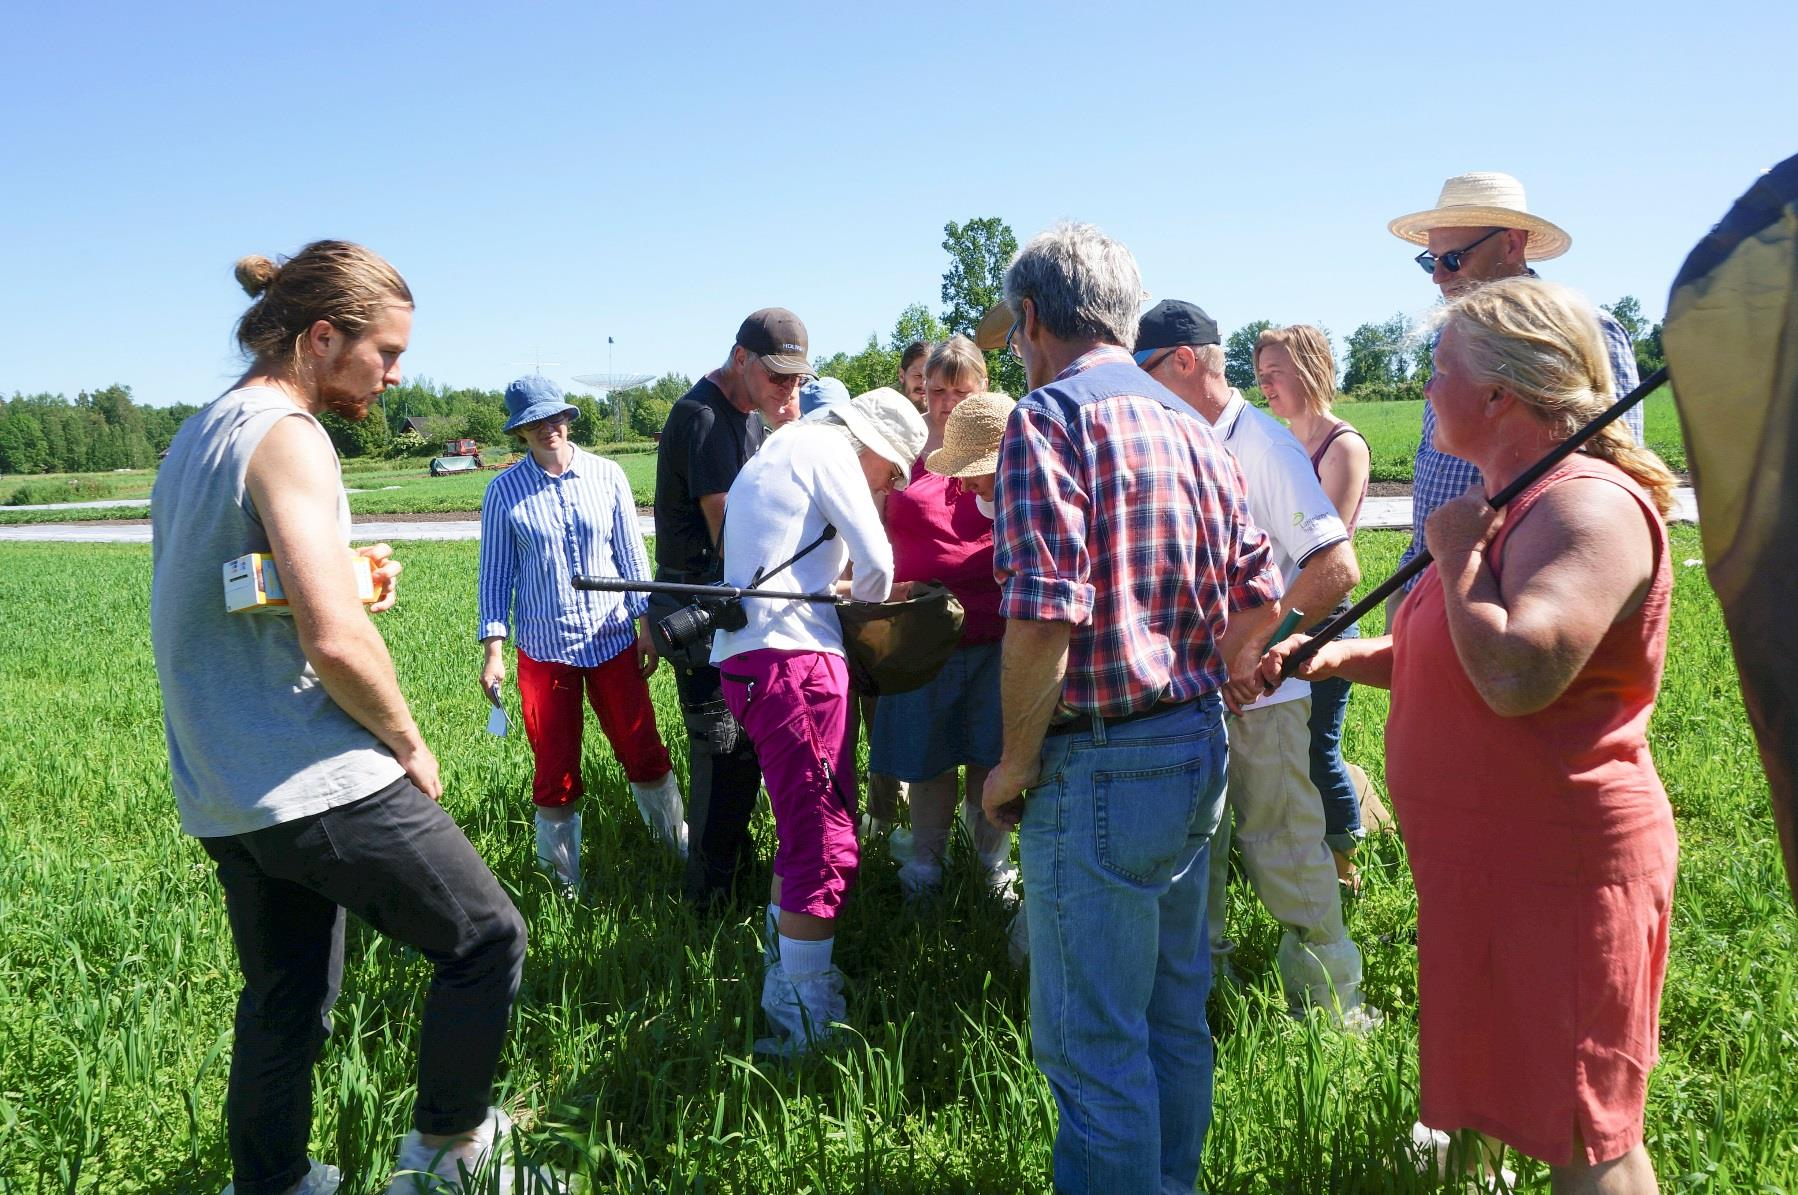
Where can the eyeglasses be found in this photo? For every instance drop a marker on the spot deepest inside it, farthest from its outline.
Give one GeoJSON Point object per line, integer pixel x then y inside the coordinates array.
{"type": "Point", "coordinates": [1011, 345]}
{"type": "Point", "coordinates": [1147, 360]}
{"type": "Point", "coordinates": [1451, 261]}
{"type": "Point", "coordinates": [899, 477]}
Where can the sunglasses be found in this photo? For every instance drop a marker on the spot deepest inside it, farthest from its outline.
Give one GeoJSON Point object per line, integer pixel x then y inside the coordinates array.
{"type": "Point", "coordinates": [1451, 261]}
{"type": "Point", "coordinates": [1011, 345]}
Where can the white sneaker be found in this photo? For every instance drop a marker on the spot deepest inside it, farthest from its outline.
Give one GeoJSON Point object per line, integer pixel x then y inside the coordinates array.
{"type": "Point", "coordinates": [663, 812]}
{"type": "Point", "coordinates": [1361, 1020]}
{"type": "Point", "coordinates": [485, 1163]}
{"type": "Point", "coordinates": [320, 1180]}
{"type": "Point", "coordinates": [559, 851]}
{"type": "Point", "coordinates": [804, 1010]}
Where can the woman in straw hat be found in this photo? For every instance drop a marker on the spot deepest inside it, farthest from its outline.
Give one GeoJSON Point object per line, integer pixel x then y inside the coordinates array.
{"type": "Point", "coordinates": [810, 489]}
{"type": "Point", "coordinates": [1524, 667]}
{"type": "Point", "coordinates": [1297, 375]}
{"type": "Point", "coordinates": [928, 736]}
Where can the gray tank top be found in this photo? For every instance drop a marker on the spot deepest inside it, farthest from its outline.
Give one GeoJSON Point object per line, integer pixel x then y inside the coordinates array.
{"type": "Point", "coordinates": [254, 739]}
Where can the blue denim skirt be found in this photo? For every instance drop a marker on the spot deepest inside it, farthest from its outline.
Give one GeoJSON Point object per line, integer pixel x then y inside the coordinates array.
{"type": "Point", "coordinates": [951, 721]}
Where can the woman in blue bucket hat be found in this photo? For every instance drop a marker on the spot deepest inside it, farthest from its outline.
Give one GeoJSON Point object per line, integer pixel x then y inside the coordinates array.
{"type": "Point", "coordinates": [557, 513]}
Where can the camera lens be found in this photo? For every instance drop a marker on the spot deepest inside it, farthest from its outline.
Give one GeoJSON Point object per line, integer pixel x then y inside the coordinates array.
{"type": "Point", "coordinates": [687, 626]}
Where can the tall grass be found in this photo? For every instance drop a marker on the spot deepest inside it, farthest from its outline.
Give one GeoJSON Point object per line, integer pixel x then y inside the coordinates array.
{"type": "Point", "coordinates": [630, 1058]}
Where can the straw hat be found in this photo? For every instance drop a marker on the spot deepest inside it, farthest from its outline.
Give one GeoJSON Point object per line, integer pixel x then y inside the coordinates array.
{"type": "Point", "coordinates": [989, 336]}
{"type": "Point", "coordinates": [971, 437]}
{"type": "Point", "coordinates": [1484, 199]}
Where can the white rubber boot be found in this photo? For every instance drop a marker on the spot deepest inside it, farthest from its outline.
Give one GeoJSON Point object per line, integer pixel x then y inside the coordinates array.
{"type": "Point", "coordinates": [1327, 976]}
{"type": "Point", "coordinates": [559, 851]}
{"type": "Point", "coordinates": [803, 1009]}
{"type": "Point", "coordinates": [663, 811]}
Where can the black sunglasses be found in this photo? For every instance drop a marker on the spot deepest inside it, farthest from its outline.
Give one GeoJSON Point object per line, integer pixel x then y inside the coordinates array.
{"type": "Point", "coordinates": [1451, 261]}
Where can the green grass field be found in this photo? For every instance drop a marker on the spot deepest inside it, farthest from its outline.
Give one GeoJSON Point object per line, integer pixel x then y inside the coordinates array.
{"type": "Point", "coordinates": [629, 1060]}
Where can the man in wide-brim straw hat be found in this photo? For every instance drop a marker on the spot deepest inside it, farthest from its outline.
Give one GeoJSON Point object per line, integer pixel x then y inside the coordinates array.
{"type": "Point", "coordinates": [1481, 230]}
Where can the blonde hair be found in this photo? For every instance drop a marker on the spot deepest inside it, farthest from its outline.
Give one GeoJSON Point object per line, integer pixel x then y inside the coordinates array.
{"type": "Point", "coordinates": [1540, 341]}
{"type": "Point", "coordinates": [1311, 360]}
{"type": "Point", "coordinates": [343, 284]}
{"type": "Point", "coordinates": [958, 362]}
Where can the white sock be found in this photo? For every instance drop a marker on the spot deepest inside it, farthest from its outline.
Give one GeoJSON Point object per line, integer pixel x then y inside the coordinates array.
{"type": "Point", "coordinates": [805, 958]}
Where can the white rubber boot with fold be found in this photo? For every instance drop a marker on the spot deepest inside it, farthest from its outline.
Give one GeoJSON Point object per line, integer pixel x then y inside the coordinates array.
{"type": "Point", "coordinates": [803, 1009]}
{"type": "Point", "coordinates": [1327, 976]}
{"type": "Point", "coordinates": [559, 850]}
{"type": "Point", "coordinates": [659, 801]}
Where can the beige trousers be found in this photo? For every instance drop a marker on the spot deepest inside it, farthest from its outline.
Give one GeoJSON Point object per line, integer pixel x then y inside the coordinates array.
{"type": "Point", "coordinates": [1279, 830]}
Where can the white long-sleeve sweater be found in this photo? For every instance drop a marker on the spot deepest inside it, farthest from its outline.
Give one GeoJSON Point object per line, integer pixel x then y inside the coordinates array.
{"type": "Point", "coordinates": [804, 477]}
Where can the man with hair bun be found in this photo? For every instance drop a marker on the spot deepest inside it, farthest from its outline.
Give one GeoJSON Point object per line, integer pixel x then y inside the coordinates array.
{"type": "Point", "coordinates": [299, 766]}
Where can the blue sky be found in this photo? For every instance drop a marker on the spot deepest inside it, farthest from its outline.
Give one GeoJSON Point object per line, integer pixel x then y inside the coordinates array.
{"type": "Point", "coordinates": [548, 175]}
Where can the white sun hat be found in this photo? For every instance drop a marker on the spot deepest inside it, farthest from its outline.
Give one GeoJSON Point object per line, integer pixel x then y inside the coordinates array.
{"type": "Point", "coordinates": [1484, 199]}
{"type": "Point", "coordinates": [885, 421]}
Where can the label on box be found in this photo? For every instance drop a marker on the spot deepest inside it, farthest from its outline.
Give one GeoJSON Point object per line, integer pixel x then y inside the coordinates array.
{"type": "Point", "coordinates": [252, 584]}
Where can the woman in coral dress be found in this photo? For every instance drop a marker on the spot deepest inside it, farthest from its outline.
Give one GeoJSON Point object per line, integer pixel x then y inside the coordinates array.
{"type": "Point", "coordinates": [1523, 669]}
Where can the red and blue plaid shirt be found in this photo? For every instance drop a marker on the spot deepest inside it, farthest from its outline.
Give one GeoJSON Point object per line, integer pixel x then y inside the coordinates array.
{"type": "Point", "coordinates": [1119, 511]}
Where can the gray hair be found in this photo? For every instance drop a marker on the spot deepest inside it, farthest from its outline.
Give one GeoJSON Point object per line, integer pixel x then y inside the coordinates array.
{"type": "Point", "coordinates": [1084, 285]}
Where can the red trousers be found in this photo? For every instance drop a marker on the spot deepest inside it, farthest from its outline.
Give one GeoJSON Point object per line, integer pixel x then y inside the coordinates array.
{"type": "Point", "coordinates": [550, 695]}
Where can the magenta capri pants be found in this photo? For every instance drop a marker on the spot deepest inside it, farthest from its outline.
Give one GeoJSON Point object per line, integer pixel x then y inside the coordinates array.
{"type": "Point", "coordinates": [794, 705]}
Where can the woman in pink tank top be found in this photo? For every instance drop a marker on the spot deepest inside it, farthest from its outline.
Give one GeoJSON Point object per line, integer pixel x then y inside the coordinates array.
{"type": "Point", "coordinates": [1297, 374]}
{"type": "Point", "coordinates": [1523, 670]}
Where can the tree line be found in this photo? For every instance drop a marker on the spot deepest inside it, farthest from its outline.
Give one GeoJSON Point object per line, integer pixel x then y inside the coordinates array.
{"type": "Point", "coordinates": [96, 433]}
{"type": "Point", "coordinates": [1387, 360]}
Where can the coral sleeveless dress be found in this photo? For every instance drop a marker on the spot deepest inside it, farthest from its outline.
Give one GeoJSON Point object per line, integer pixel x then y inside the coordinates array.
{"type": "Point", "coordinates": [1543, 850]}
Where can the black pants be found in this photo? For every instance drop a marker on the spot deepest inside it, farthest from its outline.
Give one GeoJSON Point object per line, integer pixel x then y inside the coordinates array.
{"type": "Point", "coordinates": [398, 862]}
{"type": "Point", "coordinates": [723, 783]}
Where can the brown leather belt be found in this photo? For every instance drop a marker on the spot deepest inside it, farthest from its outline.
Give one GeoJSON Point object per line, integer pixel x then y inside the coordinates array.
{"type": "Point", "coordinates": [1085, 721]}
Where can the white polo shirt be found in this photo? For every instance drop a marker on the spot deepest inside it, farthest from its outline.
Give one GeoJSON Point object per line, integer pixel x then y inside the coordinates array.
{"type": "Point", "coordinates": [1285, 500]}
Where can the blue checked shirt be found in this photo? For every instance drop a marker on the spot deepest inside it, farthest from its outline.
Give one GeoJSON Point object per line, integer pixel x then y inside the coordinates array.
{"type": "Point", "coordinates": [1437, 476]}
{"type": "Point", "coordinates": [537, 532]}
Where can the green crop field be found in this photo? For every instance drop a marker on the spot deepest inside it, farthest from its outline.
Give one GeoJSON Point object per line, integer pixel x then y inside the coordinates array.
{"type": "Point", "coordinates": [630, 1061]}
{"type": "Point", "coordinates": [1392, 429]}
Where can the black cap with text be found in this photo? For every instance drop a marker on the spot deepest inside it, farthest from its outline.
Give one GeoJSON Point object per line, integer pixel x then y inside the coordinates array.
{"type": "Point", "coordinates": [778, 337]}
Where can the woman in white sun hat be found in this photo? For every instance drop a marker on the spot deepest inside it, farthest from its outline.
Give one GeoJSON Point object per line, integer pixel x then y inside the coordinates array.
{"type": "Point", "coordinates": [810, 489]}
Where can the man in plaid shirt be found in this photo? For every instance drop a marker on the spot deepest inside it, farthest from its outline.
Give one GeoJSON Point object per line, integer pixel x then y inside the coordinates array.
{"type": "Point", "coordinates": [1134, 588]}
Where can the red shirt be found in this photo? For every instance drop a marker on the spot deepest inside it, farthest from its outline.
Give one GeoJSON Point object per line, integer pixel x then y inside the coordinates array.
{"type": "Point", "coordinates": [938, 534]}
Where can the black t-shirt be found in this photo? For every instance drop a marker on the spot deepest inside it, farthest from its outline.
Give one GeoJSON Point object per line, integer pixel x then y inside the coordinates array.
{"type": "Point", "coordinates": [704, 445]}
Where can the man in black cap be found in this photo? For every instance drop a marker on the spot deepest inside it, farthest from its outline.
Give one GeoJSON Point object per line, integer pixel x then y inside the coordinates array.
{"type": "Point", "coordinates": [714, 428]}
{"type": "Point", "coordinates": [1278, 813]}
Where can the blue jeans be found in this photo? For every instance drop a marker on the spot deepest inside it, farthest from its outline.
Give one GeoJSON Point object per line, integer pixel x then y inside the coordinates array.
{"type": "Point", "coordinates": [1342, 806]}
{"type": "Point", "coordinates": [1113, 845]}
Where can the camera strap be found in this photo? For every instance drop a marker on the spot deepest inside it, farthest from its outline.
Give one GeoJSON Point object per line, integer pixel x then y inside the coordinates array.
{"type": "Point", "coordinates": [829, 533]}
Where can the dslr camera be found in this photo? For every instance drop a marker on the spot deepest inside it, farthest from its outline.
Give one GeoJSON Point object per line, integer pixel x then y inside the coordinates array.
{"type": "Point", "coordinates": [692, 626]}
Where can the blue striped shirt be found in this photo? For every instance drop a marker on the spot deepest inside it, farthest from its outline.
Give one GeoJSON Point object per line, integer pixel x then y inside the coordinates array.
{"type": "Point", "coordinates": [537, 532]}
{"type": "Point", "coordinates": [1436, 477]}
